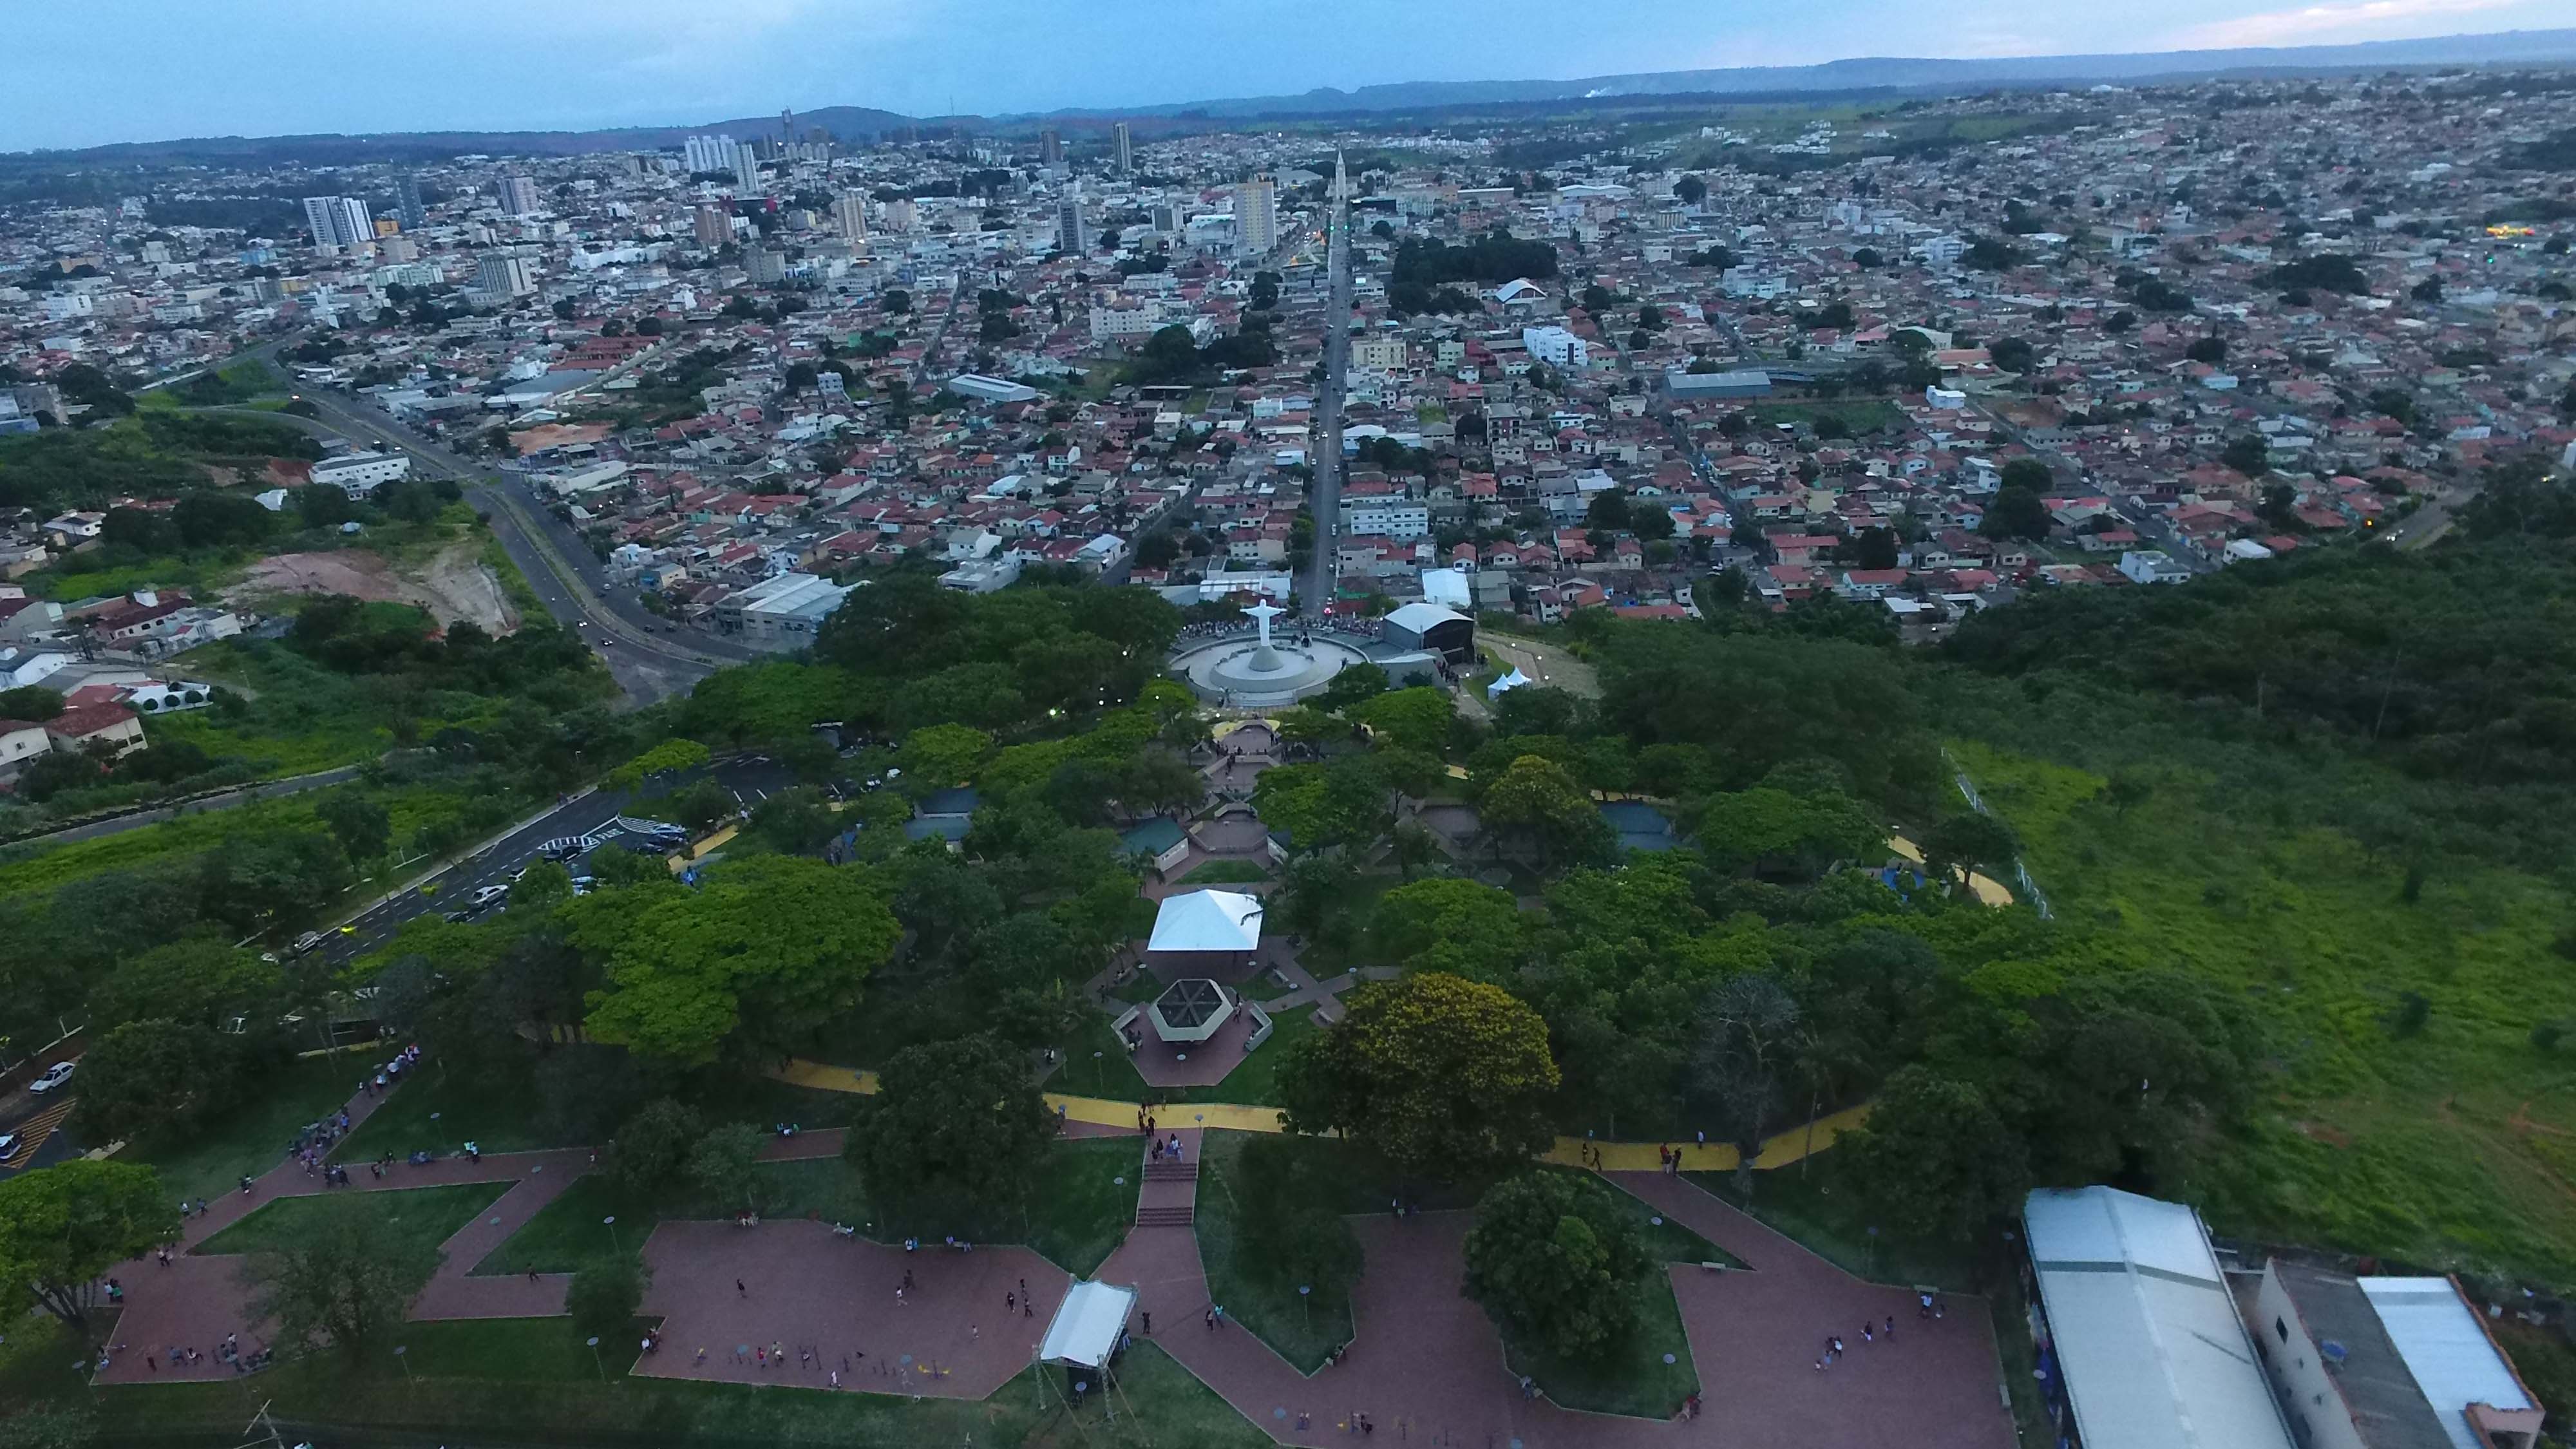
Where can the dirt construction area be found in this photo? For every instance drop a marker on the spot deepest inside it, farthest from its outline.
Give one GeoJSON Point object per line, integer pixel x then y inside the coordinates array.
{"type": "Point", "coordinates": [457, 584]}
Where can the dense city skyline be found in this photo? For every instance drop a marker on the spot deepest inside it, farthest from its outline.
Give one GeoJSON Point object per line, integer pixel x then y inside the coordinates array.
{"type": "Point", "coordinates": [182, 70]}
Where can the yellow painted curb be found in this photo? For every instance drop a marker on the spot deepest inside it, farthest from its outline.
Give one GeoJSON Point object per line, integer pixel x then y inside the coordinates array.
{"type": "Point", "coordinates": [1780, 1150]}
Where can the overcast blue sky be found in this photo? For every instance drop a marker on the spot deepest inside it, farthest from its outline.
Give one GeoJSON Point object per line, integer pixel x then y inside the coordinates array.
{"type": "Point", "coordinates": [75, 74]}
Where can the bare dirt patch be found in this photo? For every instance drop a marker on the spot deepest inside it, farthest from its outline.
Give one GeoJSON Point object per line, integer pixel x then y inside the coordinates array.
{"type": "Point", "coordinates": [456, 585]}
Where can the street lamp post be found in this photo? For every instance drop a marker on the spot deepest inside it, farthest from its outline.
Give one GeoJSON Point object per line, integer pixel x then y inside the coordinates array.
{"type": "Point", "coordinates": [1307, 1304]}
{"type": "Point", "coordinates": [610, 1222]}
{"type": "Point", "coordinates": [402, 1355]}
{"type": "Point", "coordinates": [595, 1360]}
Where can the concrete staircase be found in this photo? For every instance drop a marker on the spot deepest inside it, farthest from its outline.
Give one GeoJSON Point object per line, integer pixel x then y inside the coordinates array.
{"type": "Point", "coordinates": [1169, 1195]}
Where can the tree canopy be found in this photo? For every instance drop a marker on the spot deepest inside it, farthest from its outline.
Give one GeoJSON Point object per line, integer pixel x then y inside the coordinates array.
{"type": "Point", "coordinates": [1441, 1074]}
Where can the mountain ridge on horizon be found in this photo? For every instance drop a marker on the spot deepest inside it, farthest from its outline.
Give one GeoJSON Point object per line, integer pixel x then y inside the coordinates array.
{"type": "Point", "coordinates": [1897, 74]}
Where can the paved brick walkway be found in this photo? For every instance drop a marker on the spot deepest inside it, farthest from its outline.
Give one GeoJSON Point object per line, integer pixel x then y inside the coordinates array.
{"type": "Point", "coordinates": [831, 1301]}
{"type": "Point", "coordinates": [1427, 1364]}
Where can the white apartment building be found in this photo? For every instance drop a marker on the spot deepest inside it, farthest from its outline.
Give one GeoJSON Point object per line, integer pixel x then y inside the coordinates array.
{"type": "Point", "coordinates": [850, 215]}
{"type": "Point", "coordinates": [1256, 214]}
{"type": "Point", "coordinates": [338, 221]}
{"type": "Point", "coordinates": [1380, 354]}
{"type": "Point", "coordinates": [1556, 346]}
{"type": "Point", "coordinates": [1122, 323]}
{"type": "Point", "coordinates": [1396, 518]}
{"type": "Point", "coordinates": [713, 153]}
{"type": "Point", "coordinates": [504, 275]}
{"type": "Point", "coordinates": [359, 474]}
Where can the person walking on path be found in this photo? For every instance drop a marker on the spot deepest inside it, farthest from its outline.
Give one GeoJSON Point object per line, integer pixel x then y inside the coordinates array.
{"type": "Point", "coordinates": [740, 1291]}
{"type": "Point", "coordinates": [1149, 1325]}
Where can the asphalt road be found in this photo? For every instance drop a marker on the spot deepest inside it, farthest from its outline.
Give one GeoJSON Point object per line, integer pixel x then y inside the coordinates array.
{"type": "Point", "coordinates": [751, 779]}
{"type": "Point", "coordinates": [38, 1118]}
{"type": "Point", "coordinates": [1326, 502]}
{"type": "Point", "coordinates": [646, 664]}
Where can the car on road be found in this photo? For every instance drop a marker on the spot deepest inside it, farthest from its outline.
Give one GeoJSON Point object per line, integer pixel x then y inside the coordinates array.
{"type": "Point", "coordinates": [8, 1145]}
{"type": "Point", "coordinates": [52, 1077]}
{"type": "Point", "coordinates": [457, 918]}
{"type": "Point", "coordinates": [310, 940]}
{"type": "Point", "coordinates": [560, 849]}
{"type": "Point", "coordinates": [487, 896]}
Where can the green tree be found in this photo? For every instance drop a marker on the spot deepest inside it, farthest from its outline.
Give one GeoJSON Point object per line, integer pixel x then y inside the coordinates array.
{"type": "Point", "coordinates": [1538, 801]}
{"type": "Point", "coordinates": [30, 702]}
{"type": "Point", "coordinates": [340, 1283]}
{"type": "Point", "coordinates": [941, 756]}
{"type": "Point", "coordinates": [721, 1163]}
{"type": "Point", "coordinates": [1443, 1075]}
{"type": "Point", "coordinates": [703, 804]}
{"type": "Point", "coordinates": [361, 825]}
{"type": "Point", "coordinates": [1417, 718]}
{"type": "Point", "coordinates": [2016, 513]}
{"type": "Point", "coordinates": [1356, 685]}
{"type": "Point", "coordinates": [1452, 924]}
{"type": "Point", "coordinates": [762, 952]}
{"type": "Point", "coordinates": [1555, 1263]}
{"type": "Point", "coordinates": [653, 1146]}
{"type": "Point", "coordinates": [2248, 454]}
{"type": "Point", "coordinates": [62, 1228]}
{"type": "Point", "coordinates": [155, 1075]}
{"type": "Point", "coordinates": [1969, 841]}
{"type": "Point", "coordinates": [1773, 831]}
{"type": "Point", "coordinates": [606, 1295]}
{"type": "Point", "coordinates": [953, 1123]}
{"type": "Point", "coordinates": [1690, 190]}
{"type": "Point", "coordinates": [665, 758]}
{"type": "Point", "coordinates": [200, 981]}
{"type": "Point", "coordinates": [1935, 1157]}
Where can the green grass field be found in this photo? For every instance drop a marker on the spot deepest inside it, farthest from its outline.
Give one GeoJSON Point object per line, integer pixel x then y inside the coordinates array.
{"type": "Point", "coordinates": [2449, 1146]}
{"type": "Point", "coordinates": [531, 1379]}
{"type": "Point", "coordinates": [420, 1217]}
{"type": "Point", "coordinates": [215, 1156]}
{"type": "Point", "coordinates": [1077, 1211]}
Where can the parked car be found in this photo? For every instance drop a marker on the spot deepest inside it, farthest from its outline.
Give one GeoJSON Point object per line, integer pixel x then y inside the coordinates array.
{"type": "Point", "coordinates": [52, 1077]}
{"type": "Point", "coordinates": [8, 1145]}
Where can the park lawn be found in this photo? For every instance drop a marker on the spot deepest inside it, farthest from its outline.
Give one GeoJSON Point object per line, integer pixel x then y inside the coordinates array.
{"type": "Point", "coordinates": [572, 1231]}
{"type": "Point", "coordinates": [1226, 872]}
{"type": "Point", "coordinates": [439, 1111]}
{"type": "Point", "coordinates": [2444, 1147]}
{"type": "Point", "coordinates": [213, 1157]}
{"type": "Point", "coordinates": [533, 1379]}
{"type": "Point", "coordinates": [1302, 1333]}
{"type": "Point", "coordinates": [1352, 1183]}
{"type": "Point", "coordinates": [415, 1218]}
{"type": "Point", "coordinates": [1078, 1211]}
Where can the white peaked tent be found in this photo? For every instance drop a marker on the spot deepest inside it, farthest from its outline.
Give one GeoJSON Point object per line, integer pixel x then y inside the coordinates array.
{"type": "Point", "coordinates": [1087, 1326]}
{"type": "Point", "coordinates": [1513, 680]}
{"type": "Point", "coordinates": [1207, 921]}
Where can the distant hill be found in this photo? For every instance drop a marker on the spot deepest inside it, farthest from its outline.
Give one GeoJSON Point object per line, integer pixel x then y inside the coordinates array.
{"type": "Point", "coordinates": [1882, 75]}
{"type": "Point", "coordinates": [2513, 47]}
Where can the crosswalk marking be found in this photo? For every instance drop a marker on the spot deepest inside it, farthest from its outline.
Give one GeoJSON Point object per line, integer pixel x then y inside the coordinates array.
{"type": "Point", "coordinates": [36, 1131]}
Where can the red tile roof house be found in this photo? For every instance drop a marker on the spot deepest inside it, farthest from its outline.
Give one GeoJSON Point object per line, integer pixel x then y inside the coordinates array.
{"type": "Point", "coordinates": [94, 713]}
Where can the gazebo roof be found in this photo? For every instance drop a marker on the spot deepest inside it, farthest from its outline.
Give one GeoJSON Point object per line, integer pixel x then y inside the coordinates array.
{"type": "Point", "coordinates": [1190, 1011]}
{"type": "Point", "coordinates": [1207, 921]}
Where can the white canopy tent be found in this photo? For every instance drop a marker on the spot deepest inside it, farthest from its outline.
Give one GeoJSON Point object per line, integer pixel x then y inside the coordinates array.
{"type": "Point", "coordinates": [1513, 680]}
{"type": "Point", "coordinates": [1207, 921]}
{"type": "Point", "coordinates": [1088, 1326]}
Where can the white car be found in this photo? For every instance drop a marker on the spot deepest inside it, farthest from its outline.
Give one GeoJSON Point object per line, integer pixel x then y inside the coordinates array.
{"type": "Point", "coordinates": [8, 1145]}
{"type": "Point", "coordinates": [52, 1077]}
{"type": "Point", "coordinates": [489, 895]}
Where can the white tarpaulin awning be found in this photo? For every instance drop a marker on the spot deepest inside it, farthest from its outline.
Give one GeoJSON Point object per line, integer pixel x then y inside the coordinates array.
{"type": "Point", "coordinates": [1087, 1325]}
{"type": "Point", "coordinates": [1207, 921]}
